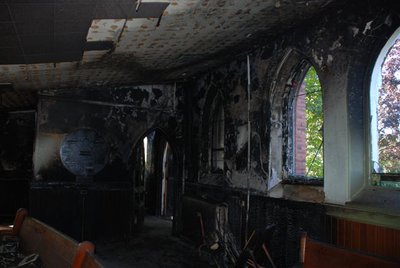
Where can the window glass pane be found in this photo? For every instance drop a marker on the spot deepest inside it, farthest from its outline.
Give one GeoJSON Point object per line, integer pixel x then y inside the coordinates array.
{"type": "Point", "coordinates": [218, 160]}
{"type": "Point", "coordinates": [388, 113]}
{"type": "Point", "coordinates": [385, 115]}
{"type": "Point", "coordinates": [217, 138]}
{"type": "Point", "coordinates": [308, 127]}
{"type": "Point", "coordinates": [218, 129]}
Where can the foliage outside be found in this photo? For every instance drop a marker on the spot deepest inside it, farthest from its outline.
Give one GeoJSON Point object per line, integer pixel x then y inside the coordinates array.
{"type": "Point", "coordinates": [389, 113]}
{"type": "Point", "coordinates": [314, 130]}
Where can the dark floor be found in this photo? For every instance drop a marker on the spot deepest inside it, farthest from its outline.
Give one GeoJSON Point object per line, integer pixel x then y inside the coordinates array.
{"type": "Point", "coordinates": [154, 247]}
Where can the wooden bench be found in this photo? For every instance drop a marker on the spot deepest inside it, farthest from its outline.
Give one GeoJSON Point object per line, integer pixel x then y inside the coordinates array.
{"type": "Point", "coordinates": [318, 254]}
{"type": "Point", "coordinates": [54, 248]}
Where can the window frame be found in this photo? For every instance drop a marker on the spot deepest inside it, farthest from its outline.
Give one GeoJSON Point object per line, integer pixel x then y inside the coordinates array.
{"type": "Point", "coordinates": [373, 95]}
{"type": "Point", "coordinates": [288, 66]}
{"type": "Point", "coordinates": [298, 74]}
{"type": "Point", "coordinates": [217, 108]}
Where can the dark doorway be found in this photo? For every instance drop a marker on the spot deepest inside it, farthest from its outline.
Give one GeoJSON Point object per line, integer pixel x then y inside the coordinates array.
{"type": "Point", "coordinates": [154, 177]}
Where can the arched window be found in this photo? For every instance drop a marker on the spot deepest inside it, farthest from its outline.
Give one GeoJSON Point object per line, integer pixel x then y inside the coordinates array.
{"type": "Point", "coordinates": [217, 141]}
{"type": "Point", "coordinates": [306, 150]}
{"type": "Point", "coordinates": [385, 115]}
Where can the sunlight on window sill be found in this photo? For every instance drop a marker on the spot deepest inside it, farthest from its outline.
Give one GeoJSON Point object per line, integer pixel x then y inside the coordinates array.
{"type": "Point", "coordinates": [374, 205]}
{"type": "Point", "coordinates": [378, 199]}
{"type": "Point", "coordinates": [300, 193]}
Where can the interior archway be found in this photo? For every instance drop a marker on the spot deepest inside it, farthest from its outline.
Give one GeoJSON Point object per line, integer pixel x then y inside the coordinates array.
{"type": "Point", "coordinates": [154, 177]}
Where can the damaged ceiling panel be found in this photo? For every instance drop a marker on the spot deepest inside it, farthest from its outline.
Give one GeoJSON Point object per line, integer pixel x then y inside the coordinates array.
{"type": "Point", "coordinates": [105, 30]}
{"type": "Point", "coordinates": [57, 44]}
{"type": "Point", "coordinates": [53, 31]}
{"type": "Point", "coordinates": [101, 39]}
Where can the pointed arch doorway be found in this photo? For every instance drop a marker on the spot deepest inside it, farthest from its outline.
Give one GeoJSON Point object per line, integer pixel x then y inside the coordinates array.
{"type": "Point", "coordinates": [154, 175]}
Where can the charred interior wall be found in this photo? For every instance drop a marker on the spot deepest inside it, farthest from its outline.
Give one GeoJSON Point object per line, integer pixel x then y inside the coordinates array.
{"type": "Point", "coordinates": [16, 147]}
{"type": "Point", "coordinates": [287, 218]}
{"type": "Point", "coordinates": [122, 116]}
{"type": "Point", "coordinates": [342, 45]}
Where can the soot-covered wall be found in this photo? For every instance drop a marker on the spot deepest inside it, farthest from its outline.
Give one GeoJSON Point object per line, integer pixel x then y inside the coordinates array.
{"type": "Point", "coordinates": [16, 147]}
{"type": "Point", "coordinates": [121, 115]}
{"type": "Point", "coordinates": [105, 205]}
{"type": "Point", "coordinates": [342, 45]}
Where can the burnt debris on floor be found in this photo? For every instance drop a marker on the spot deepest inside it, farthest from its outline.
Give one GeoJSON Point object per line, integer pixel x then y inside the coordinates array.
{"type": "Point", "coordinates": [153, 247]}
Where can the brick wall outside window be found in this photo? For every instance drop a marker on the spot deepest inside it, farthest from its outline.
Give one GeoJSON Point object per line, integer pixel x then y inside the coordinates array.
{"type": "Point", "coordinates": [300, 126]}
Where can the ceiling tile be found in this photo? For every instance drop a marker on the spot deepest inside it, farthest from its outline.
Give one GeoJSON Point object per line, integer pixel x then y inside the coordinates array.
{"type": "Point", "coordinates": [99, 45]}
{"type": "Point", "coordinates": [92, 2]}
{"type": "Point", "coordinates": [150, 10]}
{"type": "Point", "coordinates": [39, 58]}
{"type": "Point", "coordinates": [30, 1]}
{"type": "Point", "coordinates": [113, 10]}
{"type": "Point", "coordinates": [4, 13]}
{"type": "Point", "coordinates": [38, 27]}
{"type": "Point", "coordinates": [37, 44]}
{"type": "Point", "coordinates": [105, 30]}
{"type": "Point", "coordinates": [120, 10]}
{"type": "Point", "coordinates": [10, 51]}
{"type": "Point", "coordinates": [74, 12]}
{"type": "Point", "coordinates": [11, 55]}
{"type": "Point", "coordinates": [93, 56]}
{"type": "Point", "coordinates": [69, 42]}
{"type": "Point", "coordinates": [68, 56]}
{"type": "Point", "coordinates": [68, 26]}
{"type": "Point", "coordinates": [7, 28]}
{"type": "Point", "coordinates": [31, 12]}
{"type": "Point", "coordinates": [9, 41]}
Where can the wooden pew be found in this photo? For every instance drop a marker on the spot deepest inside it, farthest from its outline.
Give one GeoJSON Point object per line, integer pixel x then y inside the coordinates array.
{"type": "Point", "coordinates": [54, 248]}
{"type": "Point", "coordinates": [315, 254]}
{"type": "Point", "coordinates": [90, 261]}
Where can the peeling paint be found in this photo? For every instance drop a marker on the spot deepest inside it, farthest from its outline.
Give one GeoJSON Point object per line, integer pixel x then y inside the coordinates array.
{"type": "Point", "coordinates": [355, 31]}
{"type": "Point", "coordinates": [389, 20]}
{"type": "Point", "coordinates": [273, 180]}
{"type": "Point", "coordinates": [336, 44]}
{"type": "Point", "coordinates": [367, 27]}
{"type": "Point", "coordinates": [329, 59]}
{"type": "Point", "coordinates": [318, 59]}
{"type": "Point", "coordinates": [241, 137]}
